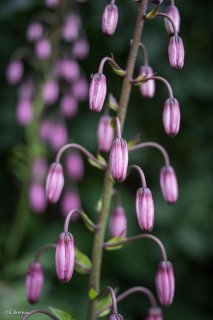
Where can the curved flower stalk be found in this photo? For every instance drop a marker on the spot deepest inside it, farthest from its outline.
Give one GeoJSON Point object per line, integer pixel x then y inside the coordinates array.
{"type": "Point", "coordinates": [40, 311]}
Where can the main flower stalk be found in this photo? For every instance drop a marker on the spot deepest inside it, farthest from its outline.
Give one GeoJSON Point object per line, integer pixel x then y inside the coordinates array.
{"type": "Point", "coordinates": [108, 183]}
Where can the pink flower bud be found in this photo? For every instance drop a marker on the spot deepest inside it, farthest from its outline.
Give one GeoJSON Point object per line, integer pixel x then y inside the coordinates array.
{"type": "Point", "coordinates": [69, 106]}
{"type": "Point", "coordinates": [34, 282]}
{"type": "Point", "coordinates": [145, 209]}
{"type": "Point", "coordinates": [37, 197]}
{"type": "Point", "coordinates": [71, 28]}
{"type": "Point", "coordinates": [118, 223]}
{"type": "Point", "coordinates": [154, 314]}
{"type": "Point", "coordinates": [80, 89]}
{"type": "Point", "coordinates": [97, 92]}
{"type": "Point", "coordinates": [70, 201]}
{"type": "Point", "coordinates": [54, 182]}
{"type": "Point", "coordinates": [165, 283]}
{"type": "Point", "coordinates": [52, 3]}
{"type": "Point", "coordinates": [176, 52]}
{"type": "Point", "coordinates": [65, 256]}
{"type": "Point", "coordinates": [43, 49]}
{"type": "Point", "coordinates": [58, 135]}
{"type": "Point", "coordinates": [34, 31]}
{"type": "Point", "coordinates": [15, 70]}
{"type": "Point", "coordinates": [105, 134]}
{"type": "Point", "coordinates": [171, 117]}
{"type": "Point", "coordinates": [119, 159]}
{"type": "Point", "coordinates": [24, 112]}
{"type": "Point", "coordinates": [174, 14]}
{"type": "Point", "coordinates": [75, 166]}
{"type": "Point", "coordinates": [70, 70]}
{"type": "Point", "coordinates": [80, 49]}
{"type": "Point", "coordinates": [169, 184]}
{"type": "Point", "coordinates": [115, 316]}
{"type": "Point", "coordinates": [110, 19]}
{"type": "Point", "coordinates": [50, 92]}
{"type": "Point", "coordinates": [147, 89]}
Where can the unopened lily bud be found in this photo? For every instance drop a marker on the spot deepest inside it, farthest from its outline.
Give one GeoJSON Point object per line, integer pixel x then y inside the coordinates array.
{"type": "Point", "coordinates": [15, 70]}
{"type": "Point", "coordinates": [147, 88]}
{"type": "Point", "coordinates": [169, 184]}
{"type": "Point", "coordinates": [75, 166]}
{"type": "Point", "coordinates": [171, 117]}
{"type": "Point", "coordinates": [69, 105]}
{"type": "Point", "coordinates": [37, 197]}
{"type": "Point", "coordinates": [115, 316]}
{"type": "Point", "coordinates": [176, 52]}
{"type": "Point", "coordinates": [34, 282]}
{"type": "Point", "coordinates": [173, 13]}
{"type": "Point", "coordinates": [105, 133]}
{"type": "Point", "coordinates": [65, 257]}
{"type": "Point", "coordinates": [165, 283]}
{"type": "Point", "coordinates": [154, 314]}
{"type": "Point", "coordinates": [43, 49]}
{"type": "Point", "coordinates": [145, 209]}
{"type": "Point", "coordinates": [110, 19]}
{"type": "Point", "coordinates": [118, 222]}
{"type": "Point", "coordinates": [24, 112]}
{"type": "Point", "coordinates": [97, 92]}
{"type": "Point", "coordinates": [54, 182]}
{"type": "Point", "coordinates": [34, 31]}
{"type": "Point", "coordinates": [119, 159]}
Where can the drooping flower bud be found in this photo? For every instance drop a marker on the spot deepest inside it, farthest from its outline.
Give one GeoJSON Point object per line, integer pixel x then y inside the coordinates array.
{"type": "Point", "coordinates": [119, 159]}
{"type": "Point", "coordinates": [115, 316]}
{"type": "Point", "coordinates": [97, 92]}
{"type": "Point", "coordinates": [34, 282]}
{"type": "Point", "coordinates": [54, 182]}
{"type": "Point", "coordinates": [15, 70]}
{"type": "Point", "coordinates": [174, 14]}
{"type": "Point", "coordinates": [165, 283]}
{"type": "Point", "coordinates": [171, 117]}
{"type": "Point", "coordinates": [147, 88]}
{"type": "Point", "coordinates": [50, 92]}
{"type": "Point", "coordinates": [24, 112]}
{"type": "Point", "coordinates": [154, 314]}
{"type": "Point", "coordinates": [37, 197]}
{"type": "Point", "coordinates": [43, 49]}
{"type": "Point", "coordinates": [118, 222]}
{"type": "Point", "coordinates": [110, 19]}
{"type": "Point", "coordinates": [145, 209]}
{"type": "Point", "coordinates": [75, 166]}
{"type": "Point", "coordinates": [176, 52]}
{"type": "Point", "coordinates": [65, 257]}
{"type": "Point", "coordinates": [169, 184]}
{"type": "Point", "coordinates": [69, 105]}
{"type": "Point", "coordinates": [70, 201]}
{"type": "Point", "coordinates": [34, 31]}
{"type": "Point", "coordinates": [105, 134]}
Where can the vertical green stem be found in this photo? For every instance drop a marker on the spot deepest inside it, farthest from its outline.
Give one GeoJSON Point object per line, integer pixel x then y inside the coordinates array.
{"type": "Point", "coordinates": [108, 184]}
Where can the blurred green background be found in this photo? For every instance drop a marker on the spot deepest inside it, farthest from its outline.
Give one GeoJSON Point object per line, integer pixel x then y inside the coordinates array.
{"type": "Point", "coordinates": [185, 229]}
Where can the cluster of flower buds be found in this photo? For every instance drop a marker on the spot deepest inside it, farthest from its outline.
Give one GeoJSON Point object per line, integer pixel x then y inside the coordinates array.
{"type": "Point", "coordinates": [34, 282]}
{"type": "Point", "coordinates": [118, 223]}
{"type": "Point", "coordinates": [165, 283]}
{"type": "Point", "coordinates": [110, 19]}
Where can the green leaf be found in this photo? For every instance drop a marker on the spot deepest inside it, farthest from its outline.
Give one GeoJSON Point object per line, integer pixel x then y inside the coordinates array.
{"type": "Point", "coordinates": [93, 294]}
{"type": "Point", "coordinates": [102, 303]}
{"type": "Point", "coordinates": [61, 314]}
{"type": "Point", "coordinates": [95, 164]}
{"type": "Point", "coordinates": [82, 263]}
{"type": "Point", "coordinates": [114, 241]}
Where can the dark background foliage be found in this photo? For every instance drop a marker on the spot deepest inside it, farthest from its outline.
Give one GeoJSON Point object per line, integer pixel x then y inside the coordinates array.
{"type": "Point", "coordinates": [186, 228]}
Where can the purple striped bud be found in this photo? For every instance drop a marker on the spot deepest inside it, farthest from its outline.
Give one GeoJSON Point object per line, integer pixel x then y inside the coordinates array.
{"type": "Point", "coordinates": [118, 223]}
{"type": "Point", "coordinates": [176, 52]}
{"type": "Point", "coordinates": [171, 117]}
{"type": "Point", "coordinates": [119, 159]}
{"type": "Point", "coordinates": [43, 49]}
{"type": "Point", "coordinates": [65, 257]}
{"type": "Point", "coordinates": [115, 316]}
{"type": "Point", "coordinates": [105, 134]}
{"type": "Point", "coordinates": [15, 70]}
{"type": "Point", "coordinates": [145, 209]}
{"type": "Point", "coordinates": [54, 182]}
{"type": "Point", "coordinates": [110, 19]}
{"type": "Point", "coordinates": [147, 88]}
{"type": "Point", "coordinates": [174, 14]}
{"type": "Point", "coordinates": [34, 31]}
{"type": "Point", "coordinates": [169, 184]}
{"type": "Point", "coordinates": [97, 92]}
{"type": "Point", "coordinates": [154, 314]}
{"type": "Point", "coordinates": [165, 283]}
{"type": "Point", "coordinates": [34, 282]}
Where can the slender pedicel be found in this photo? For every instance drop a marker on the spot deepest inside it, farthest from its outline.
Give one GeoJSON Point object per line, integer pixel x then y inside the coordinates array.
{"type": "Point", "coordinates": [88, 221]}
{"type": "Point", "coordinates": [47, 313]}
{"type": "Point", "coordinates": [110, 60]}
{"type": "Point", "coordinates": [138, 237]}
{"type": "Point", "coordinates": [82, 149]}
{"type": "Point", "coordinates": [164, 15]}
{"type": "Point", "coordinates": [44, 249]}
{"type": "Point", "coordinates": [145, 54]}
{"type": "Point", "coordinates": [114, 300]}
{"type": "Point", "coordinates": [168, 86]}
{"type": "Point", "coordinates": [154, 145]}
{"type": "Point", "coordinates": [141, 174]}
{"type": "Point", "coordinates": [130, 291]}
